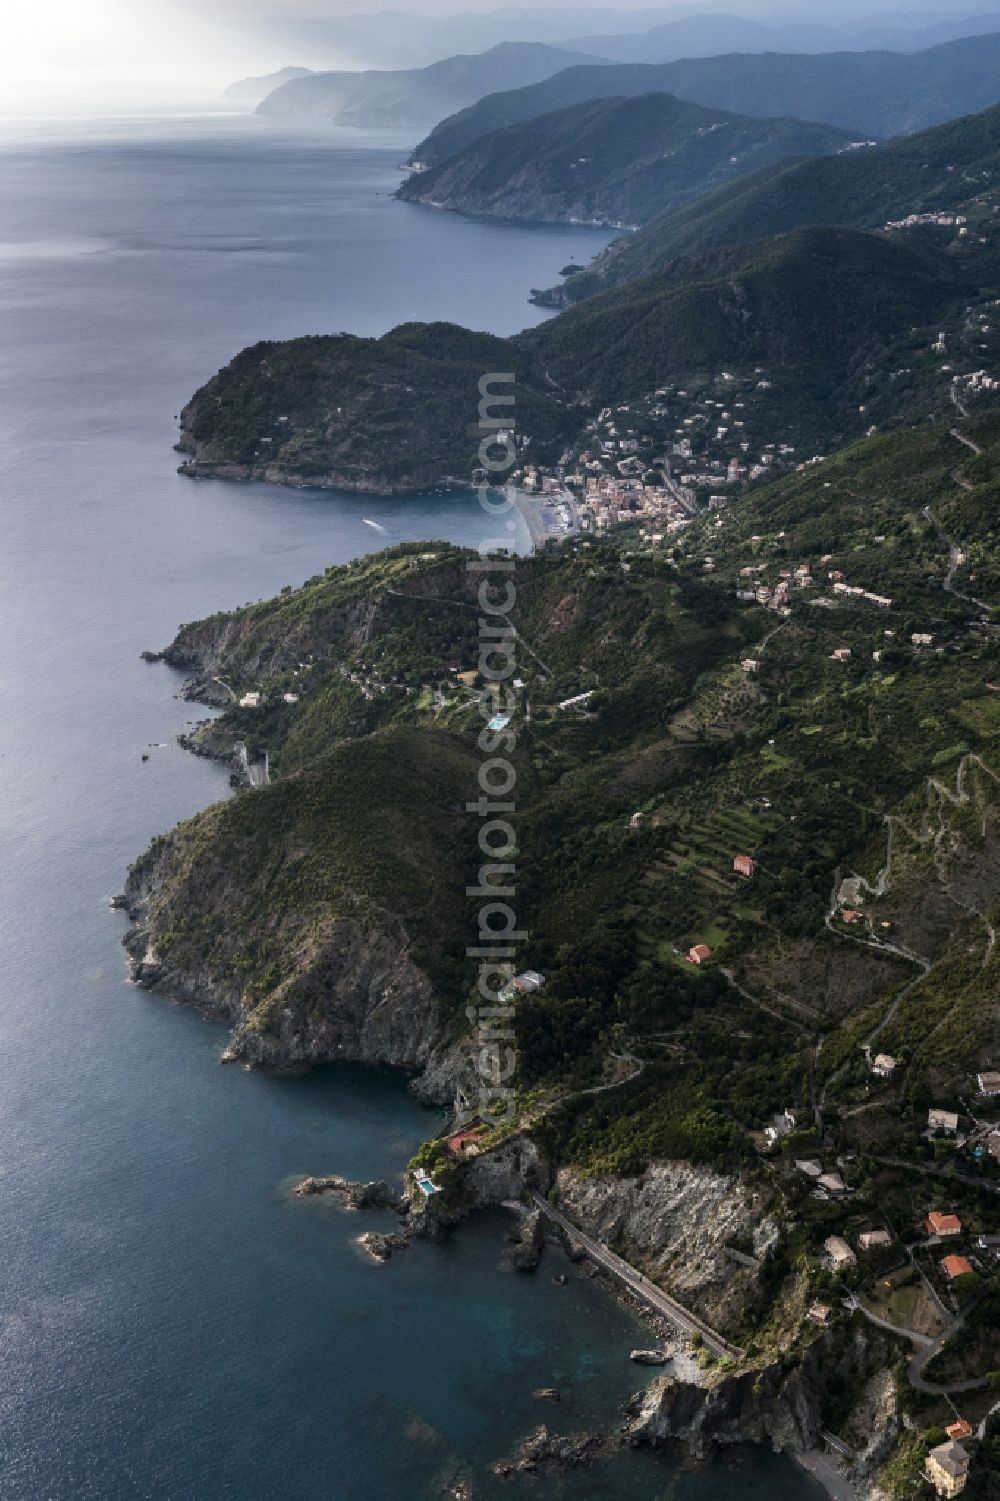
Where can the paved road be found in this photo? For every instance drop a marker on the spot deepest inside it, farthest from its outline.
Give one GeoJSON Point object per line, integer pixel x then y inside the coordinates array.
{"type": "Point", "coordinates": [788, 1021]}
{"type": "Point", "coordinates": [956, 554]}
{"type": "Point", "coordinates": [829, 1475]}
{"type": "Point", "coordinates": [967, 441]}
{"type": "Point", "coordinates": [938, 1172]}
{"type": "Point", "coordinates": [928, 1348]}
{"type": "Point", "coordinates": [650, 1294]}
{"type": "Point", "coordinates": [915, 1369]}
{"type": "Point", "coordinates": [853, 1301]}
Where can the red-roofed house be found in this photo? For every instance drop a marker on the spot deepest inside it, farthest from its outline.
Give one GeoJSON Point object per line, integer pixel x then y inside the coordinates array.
{"type": "Point", "coordinates": [942, 1224]}
{"type": "Point", "coordinates": [464, 1143]}
{"type": "Point", "coordinates": [959, 1430]}
{"type": "Point", "coordinates": [743, 865]}
{"type": "Point", "coordinates": [699, 953]}
{"type": "Point", "coordinates": [955, 1266]}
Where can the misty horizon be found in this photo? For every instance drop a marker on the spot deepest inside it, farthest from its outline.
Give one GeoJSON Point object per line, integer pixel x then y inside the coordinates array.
{"type": "Point", "coordinates": [103, 53]}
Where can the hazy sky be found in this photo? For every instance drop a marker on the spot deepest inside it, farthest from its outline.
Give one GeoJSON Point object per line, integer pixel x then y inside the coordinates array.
{"type": "Point", "coordinates": [66, 53]}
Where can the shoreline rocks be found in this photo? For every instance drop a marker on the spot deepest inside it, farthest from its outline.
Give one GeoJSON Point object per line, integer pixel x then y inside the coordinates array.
{"type": "Point", "coordinates": [543, 1452]}
{"type": "Point", "coordinates": [375, 1195]}
{"type": "Point", "coordinates": [380, 1246]}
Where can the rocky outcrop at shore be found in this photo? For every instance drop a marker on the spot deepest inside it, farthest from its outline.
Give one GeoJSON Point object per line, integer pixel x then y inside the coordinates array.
{"type": "Point", "coordinates": [378, 1008]}
{"type": "Point", "coordinates": [543, 1451]}
{"type": "Point", "coordinates": [376, 1195]}
{"type": "Point", "coordinates": [674, 1222]}
{"type": "Point", "coordinates": [380, 1245]}
{"type": "Point", "coordinates": [201, 465]}
{"type": "Point", "coordinates": [360, 999]}
{"type": "Point", "coordinates": [782, 1403]}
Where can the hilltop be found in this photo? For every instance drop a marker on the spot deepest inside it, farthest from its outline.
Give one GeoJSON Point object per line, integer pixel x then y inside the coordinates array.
{"type": "Point", "coordinates": [612, 161]}
{"type": "Point", "coordinates": [389, 414]}
{"type": "Point", "coordinates": [416, 96]}
{"type": "Point", "coordinates": [253, 90]}
{"type": "Point", "coordinates": [832, 311]}
{"type": "Point", "coordinates": [833, 314]}
{"type": "Point", "coordinates": [947, 170]}
{"type": "Point", "coordinates": [712, 34]}
{"type": "Point", "coordinates": [879, 93]}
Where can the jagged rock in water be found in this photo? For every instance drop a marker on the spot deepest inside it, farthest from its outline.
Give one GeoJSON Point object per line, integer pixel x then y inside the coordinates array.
{"type": "Point", "coordinates": [377, 1195]}
{"type": "Point", "coordinates": [382, 1246]}
{"type": "Point", "coordinates": [543, 1450]}
{"type": "Point", "coordinates": [530, 1241]}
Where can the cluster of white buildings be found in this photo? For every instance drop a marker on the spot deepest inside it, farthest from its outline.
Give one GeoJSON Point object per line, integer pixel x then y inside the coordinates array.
{"type": "Point", "coordinates": [854, 591]}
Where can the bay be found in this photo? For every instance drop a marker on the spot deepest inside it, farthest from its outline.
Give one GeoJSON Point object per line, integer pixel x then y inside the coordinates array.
{"type": "Point", "coordinates": [173, 1324]}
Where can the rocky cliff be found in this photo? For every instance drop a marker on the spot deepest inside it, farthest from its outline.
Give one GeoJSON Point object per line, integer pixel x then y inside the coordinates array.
{"type": "Point", "coordinates": [356, 994]}
{"type": "Point", "coordinates": [675, 1223]}
{"type": "Point", "coordinates": [612, 161]}
{"type": "Point", "coordinates": [298, 912]}
{"type": "Point", "coordinates": [786, 1403]}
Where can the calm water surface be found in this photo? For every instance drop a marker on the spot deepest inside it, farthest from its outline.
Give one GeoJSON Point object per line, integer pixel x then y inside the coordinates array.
{"type": "Point", "coordinates": [172, 1324]}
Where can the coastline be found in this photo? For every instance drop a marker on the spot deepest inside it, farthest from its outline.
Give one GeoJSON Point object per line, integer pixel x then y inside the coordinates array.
{"type": "Point", "coordinates": [532, 508]}
{"type": "Point", "coordinates": [541, 527]}
{"type": "Point", "coordinates": [828, 1474]}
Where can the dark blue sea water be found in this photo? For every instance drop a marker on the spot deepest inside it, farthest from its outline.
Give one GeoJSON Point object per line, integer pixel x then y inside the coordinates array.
{"type": "Point", "coordinates": [172, 1324]}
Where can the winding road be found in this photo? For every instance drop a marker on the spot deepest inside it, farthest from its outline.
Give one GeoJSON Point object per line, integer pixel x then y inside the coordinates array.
{"type": "Point", "coordinates": [653, 1296]}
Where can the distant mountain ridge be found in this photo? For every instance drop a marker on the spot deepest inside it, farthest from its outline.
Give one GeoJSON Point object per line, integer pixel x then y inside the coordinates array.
{"type": "Point", "coordinates": [937, 170]}
{"type": "Point", "coordinates": [416, 96]}
{"type": "Point", "coordinates": [253, 90]}
{"type": "Point", "coordinates": [880, 93]}
{"type": "Point", "coordinates": [612, 161]}
{"type": "Point", "coordinates": [396, 39]}
{"type": "Point", "coordinates": [711, 34]}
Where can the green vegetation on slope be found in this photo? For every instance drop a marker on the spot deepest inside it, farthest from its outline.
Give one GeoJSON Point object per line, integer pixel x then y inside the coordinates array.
{"type": "Point", "coordinates": [878, 93]}
{"type": "Point", "coordinates": [389, 413]}
{"type": "Point", "coordinates": [823, 306]}
{"type": "Point", "coordinates": [612, 161]}
{"type": "Point", "coordinates": [797, 765]}
{"type": "Point", "coordinates": [942, 170]}
{"type": "Point", "coordinates": [839, 313]}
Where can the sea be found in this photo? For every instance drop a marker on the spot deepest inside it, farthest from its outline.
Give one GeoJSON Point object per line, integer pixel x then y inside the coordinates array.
{"type": "Point", "coordinates": [174, 1324]}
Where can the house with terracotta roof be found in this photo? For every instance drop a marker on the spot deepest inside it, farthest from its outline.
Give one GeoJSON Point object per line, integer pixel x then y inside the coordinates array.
{"type": "Point", "coordinates": [956, 1266]}
{"type": "Point", "coordinates": [466, 1143]}
{"type": "Point", "coordinates": [820, 1314]}
{"type": "Point", "coordinates": [959, 1430]}
{"type": "Point", "coordinates": [942, 1224]}
{"type": "Point", "coordinates": [699, 954]}
{"type": "Point", "coordinates": [745, 866]}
